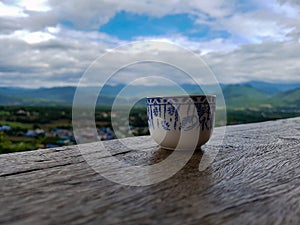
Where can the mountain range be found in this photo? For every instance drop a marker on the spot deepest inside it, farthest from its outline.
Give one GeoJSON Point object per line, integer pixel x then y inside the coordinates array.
{"type": "Point", "coordinates": [250, 94]}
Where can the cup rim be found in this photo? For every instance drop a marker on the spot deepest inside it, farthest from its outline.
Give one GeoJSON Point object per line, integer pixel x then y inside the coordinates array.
{"type": "Point", "coordinates": [182, 96]}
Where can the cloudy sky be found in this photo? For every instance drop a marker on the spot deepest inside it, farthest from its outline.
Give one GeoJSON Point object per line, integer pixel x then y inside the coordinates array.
{"type": "Point", "coordinates": [52, 42]}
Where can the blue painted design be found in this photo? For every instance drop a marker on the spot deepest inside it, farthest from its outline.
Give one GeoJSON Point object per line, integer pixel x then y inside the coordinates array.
{"type": "Point", "coordinates": [171, 110]}
{"type": "Point", "coordinates": [165, 125]}
{"type": "Point", "coordinates": [176, 119]}
{"type": "Point", "coordinates": [155, 111]}
{"type": "Point", "coordinates": [159, 110]}
{"type": "Point", "coordinates": [157, 100]}
{"type": "Point", "coordinates": [150, 117]}
{"type": "Point", "coordinates": [189, 122]}
{"type": "Point", "coordinates": [203, 123]}
{"type": "Point", "coordinates": [201, 116]}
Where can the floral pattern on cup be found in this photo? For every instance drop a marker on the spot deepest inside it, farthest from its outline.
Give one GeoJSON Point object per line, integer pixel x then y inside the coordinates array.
{"type": "Point", "coordinates": [165, 111]}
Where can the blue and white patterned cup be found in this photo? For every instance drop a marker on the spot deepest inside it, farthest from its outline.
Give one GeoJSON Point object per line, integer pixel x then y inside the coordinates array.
{"type": "Point", "coordinates": [181, 122]}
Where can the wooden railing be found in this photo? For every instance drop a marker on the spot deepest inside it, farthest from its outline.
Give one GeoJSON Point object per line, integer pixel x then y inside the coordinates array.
{"type": "Point", "coordinates": [254, 179]}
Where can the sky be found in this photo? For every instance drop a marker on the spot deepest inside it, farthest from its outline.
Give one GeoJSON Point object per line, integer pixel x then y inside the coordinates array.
{"type": "Point", "coordinates": [46, 43]}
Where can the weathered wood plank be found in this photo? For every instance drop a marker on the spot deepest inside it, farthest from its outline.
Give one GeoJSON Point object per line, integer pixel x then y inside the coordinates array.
{"type": "Point", "coordinates": [255, 179]}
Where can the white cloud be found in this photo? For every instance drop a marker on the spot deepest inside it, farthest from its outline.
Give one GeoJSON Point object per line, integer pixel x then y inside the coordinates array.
{"type": "Point", "coordinates": [34, 5]}
{"type": "Point", "coordinates": [269, 61]}
{"type": "Point", "coordinates": [292, 2]}
{"type": "Point", "coordinates": [60, 57]}
{"type": "Point", "coordinates": [63, 61]}
{"type": "Point", "coordinates": [11, 11]}
{"type": "Point", "coordinates": [201, 47]}
{"type": "Point", "coordinates": [214, 9]}
{"type": "Point", "coordinates": [29, 37]}
{"type": "Point", "coordinates": [256, 27]}
{"type": "Point", "coordinates": [269, 20]}
{"type": "Point", "coordinates": [38, 50]}
{"type": "Point", "coordinates": [286, 9]}
{"type": "Point", "coordinates": [91, 14]}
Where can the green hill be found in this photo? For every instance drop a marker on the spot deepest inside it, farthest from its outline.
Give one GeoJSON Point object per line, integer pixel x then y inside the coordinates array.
{"type": "Point", "coordinates": [244, 96]}
{"type": "Point", "coordinates": [237, 96]}
{"type": "Point", "coordinates": [12, 100]}
{"type": "Point", "coordinates": [288, 99]}
{"type": "Point", "coordinates": [5, 100]}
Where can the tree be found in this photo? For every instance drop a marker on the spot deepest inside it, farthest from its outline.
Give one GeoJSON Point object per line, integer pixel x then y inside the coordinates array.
{"type": "Point", "coordinates": [4, 143]}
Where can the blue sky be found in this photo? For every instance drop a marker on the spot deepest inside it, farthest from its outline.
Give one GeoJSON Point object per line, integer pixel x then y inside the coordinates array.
{"type": "Point", "coordinates": [52, 43]}
{"type": "Point", "coordinates": [128, 26]}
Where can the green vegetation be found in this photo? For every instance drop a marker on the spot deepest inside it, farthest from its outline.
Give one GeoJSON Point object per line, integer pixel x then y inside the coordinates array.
{"type": "Point", "coordinates": [35, 127]}
{"type": "Point", "coordinates": [244, 96]}
{"type": "Point", "coordinates": [290, 98]}
{"type": "Point", "coordinates": [40, 126]}
{"type": "Point", "coordinates": [7, 146]}
{"type": "Point", "coordinates": [258, 115]}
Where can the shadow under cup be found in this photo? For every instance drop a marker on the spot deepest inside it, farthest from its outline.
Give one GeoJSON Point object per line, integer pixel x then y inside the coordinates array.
{"type": "Point", "coordinates": [181, 122]}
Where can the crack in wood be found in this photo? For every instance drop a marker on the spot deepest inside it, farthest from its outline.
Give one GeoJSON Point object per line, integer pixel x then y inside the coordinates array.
{"type": "Point", "coordinates": [253, 180]}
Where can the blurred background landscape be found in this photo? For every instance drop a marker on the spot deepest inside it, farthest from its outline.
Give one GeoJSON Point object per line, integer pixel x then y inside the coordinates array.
{"type": "Point", "coordinates": [42, 118]}
{"type": "Point", "coordinates": [252, 47]}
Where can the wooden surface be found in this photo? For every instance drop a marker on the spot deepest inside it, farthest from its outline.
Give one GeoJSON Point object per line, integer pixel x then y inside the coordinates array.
{"type": "Point", "coordinates": [255, 179]}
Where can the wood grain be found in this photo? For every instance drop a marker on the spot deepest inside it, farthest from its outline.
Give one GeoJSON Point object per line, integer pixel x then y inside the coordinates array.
{"type": "Point", "coordinates": [255, 179]}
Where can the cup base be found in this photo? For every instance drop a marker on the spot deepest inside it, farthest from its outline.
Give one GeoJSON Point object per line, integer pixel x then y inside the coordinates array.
{"type": "Point", "coordinates": [180, 149]}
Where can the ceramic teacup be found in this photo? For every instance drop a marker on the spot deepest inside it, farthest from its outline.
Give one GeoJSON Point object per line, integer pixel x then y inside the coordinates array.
{"type": "Point", "coordinates": [181, 122]}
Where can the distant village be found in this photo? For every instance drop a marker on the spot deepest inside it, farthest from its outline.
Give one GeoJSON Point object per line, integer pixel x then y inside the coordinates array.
{"type": "Point", "coordinates": [63, 136]}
